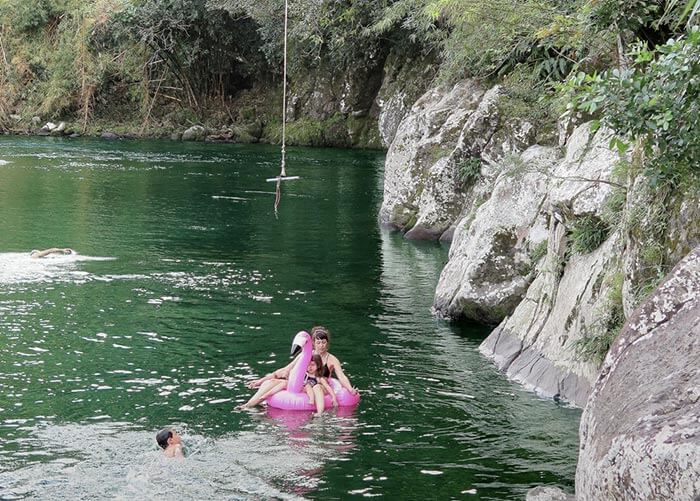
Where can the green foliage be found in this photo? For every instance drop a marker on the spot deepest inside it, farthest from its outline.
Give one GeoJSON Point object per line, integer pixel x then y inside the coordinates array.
{"type": "Point", "coordinates": [58, 65]}
{"type": "Point", "coordinates": [527, 97]}
{"type": "Point", "coordinates": [207, 53]}
{"type": "Point", "coordinates": [656, 102]}
{"type": "Point", "coordinates": [594, 348]}
{"type": "Point", "coordinates": [588, 233]}
{"type": "Point", "coordinates": [631, 15]}
{"type": "Point", "coordinates": [490, 38]}
{"type": "Point", "coordinates": [468, 171]}
{"type": "Point", "coordinates": [70, 56]}
{"type": "Point", "coordinates": [26, 15]}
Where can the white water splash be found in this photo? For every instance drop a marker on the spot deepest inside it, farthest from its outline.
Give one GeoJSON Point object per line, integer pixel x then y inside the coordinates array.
{"type": "Point", "coordinates": [108, 460]}
{"type": "Point", "coordinates": [19, 267]}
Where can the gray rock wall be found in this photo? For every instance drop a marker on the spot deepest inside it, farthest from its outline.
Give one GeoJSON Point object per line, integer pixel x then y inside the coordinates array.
{"type": "Point", "coordinates": [446, 128]}
{"type": "Point", "coordinates": [568, 300]}
{"type": "Point", "coordinates": [489, 267]}
{"type": "Point", "coordinates": [640, 431]}
{"type": "Point", "coordinates": [418, 179]}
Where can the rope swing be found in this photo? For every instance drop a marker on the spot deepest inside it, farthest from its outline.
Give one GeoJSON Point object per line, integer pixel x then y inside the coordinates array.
{"type": "Point", "coordinates": [283, 172]}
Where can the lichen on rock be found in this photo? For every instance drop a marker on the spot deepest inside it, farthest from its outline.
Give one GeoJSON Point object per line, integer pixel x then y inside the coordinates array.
{"type": "Point", "coordinates": [640, 432]}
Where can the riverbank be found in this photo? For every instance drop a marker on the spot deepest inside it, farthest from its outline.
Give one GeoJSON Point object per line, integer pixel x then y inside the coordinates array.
{"type": "Point", "coordinates": [338, 130]}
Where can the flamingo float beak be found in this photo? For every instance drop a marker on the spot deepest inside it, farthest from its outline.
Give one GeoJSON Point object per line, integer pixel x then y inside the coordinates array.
{"type": "Point", "coordinates": [295, 349]}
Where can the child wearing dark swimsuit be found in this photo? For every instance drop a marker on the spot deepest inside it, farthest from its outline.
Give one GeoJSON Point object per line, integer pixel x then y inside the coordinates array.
{"type": "Point", "coordinates": [313, 377]}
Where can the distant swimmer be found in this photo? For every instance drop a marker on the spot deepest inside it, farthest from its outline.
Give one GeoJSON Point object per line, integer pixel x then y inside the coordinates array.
{"type": "Point", "coordinates": [36, 254]}
{"type": "Point", "coordinates": [170, 442]}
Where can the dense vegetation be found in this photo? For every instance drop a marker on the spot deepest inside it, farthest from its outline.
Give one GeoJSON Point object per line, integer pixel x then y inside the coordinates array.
{"type": "Point", "coordinates": [68, 57]}
{"type": "Point", "coordinates": [183, 61]}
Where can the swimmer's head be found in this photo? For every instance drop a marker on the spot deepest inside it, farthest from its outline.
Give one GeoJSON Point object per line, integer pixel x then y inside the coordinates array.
{"type": "Point", "coordinates": [166, 436]}
{"type": "Point", "coordinates": [68, 251]}
{"type": "Point", "coordinates": [34, 252]}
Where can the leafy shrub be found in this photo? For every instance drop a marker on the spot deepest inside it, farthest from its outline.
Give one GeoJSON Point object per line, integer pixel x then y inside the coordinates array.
{"type": "Point", "coordinates": [588, 233]}
{"type": "Point", "coordinates": [468, 171]}
{"type": "Point", "coordinates": [656, 102]}
{"type": "Point", "coordinates": [25, 15]}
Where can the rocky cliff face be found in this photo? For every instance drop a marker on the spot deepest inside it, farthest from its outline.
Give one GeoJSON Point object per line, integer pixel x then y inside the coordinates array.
{"type": "Point", "coordinates": [437, 151]}
{"type": "Point", "coordinates": [568, 300]}
{"type": "Point", "coordinates": [640, 433]}
{"type": "Point", "coordinates": [558, 245]}
{"type": "Point", "coordinates": [361, 106]}
{"type": "Point", "coordinates": [536, 247]}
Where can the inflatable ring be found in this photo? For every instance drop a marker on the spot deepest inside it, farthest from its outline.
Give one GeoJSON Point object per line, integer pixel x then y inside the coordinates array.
{"type": "Point", "coordinates": [294, 398]}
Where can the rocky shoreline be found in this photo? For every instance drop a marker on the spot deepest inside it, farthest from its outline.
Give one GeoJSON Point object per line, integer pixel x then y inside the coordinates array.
{"type": "Point", "coordinates": [558, 245]}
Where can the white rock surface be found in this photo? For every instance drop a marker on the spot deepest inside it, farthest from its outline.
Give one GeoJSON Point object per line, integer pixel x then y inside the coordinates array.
{"type": "Point", "coordinates": [418, 181]}
{"type": "Point", "coordinates": [568, 300]}
{"type": "Point", "coordinates": [489, 268]}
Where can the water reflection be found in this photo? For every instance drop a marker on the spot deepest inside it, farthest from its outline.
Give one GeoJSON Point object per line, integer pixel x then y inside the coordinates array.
{"type": "Point", "coordinates": [206, 290]}
{"type": "Point", "coordinates": [329, 437]}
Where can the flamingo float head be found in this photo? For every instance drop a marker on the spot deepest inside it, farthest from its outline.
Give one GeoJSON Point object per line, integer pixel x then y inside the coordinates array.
{"type": "Point", "coordinates": [299, 341]}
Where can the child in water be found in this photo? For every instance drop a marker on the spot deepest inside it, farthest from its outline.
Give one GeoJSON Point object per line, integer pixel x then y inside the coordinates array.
{"type": "Point", "coordinates": [170, 442]}
{"type": "Point", "coordinates": [312, 378]}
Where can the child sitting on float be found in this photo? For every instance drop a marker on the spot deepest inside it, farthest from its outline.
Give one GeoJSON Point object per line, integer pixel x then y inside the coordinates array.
{"type": "Point", "coordinates": [313, 377]}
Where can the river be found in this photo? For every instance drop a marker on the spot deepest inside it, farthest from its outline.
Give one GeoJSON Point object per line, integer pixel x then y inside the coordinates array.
{"type": "Point", "coordinates": [185, 285]}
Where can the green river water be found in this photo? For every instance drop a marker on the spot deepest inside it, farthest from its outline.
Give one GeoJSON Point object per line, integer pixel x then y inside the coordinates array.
{"type": "Point", "coordinates": [185, 286]}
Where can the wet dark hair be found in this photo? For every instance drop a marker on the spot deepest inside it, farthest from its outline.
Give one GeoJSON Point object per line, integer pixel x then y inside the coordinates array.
{"type": "Point", "coordinates": [320, 332]}
{"type": "Point", "coordinates": [162, 437]}
{"type": "Point", "coordinates": [319, 364]}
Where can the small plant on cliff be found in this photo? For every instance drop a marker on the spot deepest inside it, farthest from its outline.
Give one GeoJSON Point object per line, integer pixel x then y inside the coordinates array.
{"type": "Point", "coordinates": [468, 171]}
{"type": "Point", "coordinates": [613, 207]}
{"type": "Point", "coordinates": [539, 251]}
{"type": "Point", "coordinates": [594, 348]}
{"type": "Point", "coordinates": [588, 233]}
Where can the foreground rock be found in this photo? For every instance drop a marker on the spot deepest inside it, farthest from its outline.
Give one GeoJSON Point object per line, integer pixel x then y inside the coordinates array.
{"type": "Point", "coordinates": [111, 136]}
{"type": "Point", "coordinates": [640, 431]}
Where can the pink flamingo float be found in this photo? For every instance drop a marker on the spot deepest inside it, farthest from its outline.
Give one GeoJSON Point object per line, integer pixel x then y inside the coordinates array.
{"type": "Point", "coordinates": [294, 398]}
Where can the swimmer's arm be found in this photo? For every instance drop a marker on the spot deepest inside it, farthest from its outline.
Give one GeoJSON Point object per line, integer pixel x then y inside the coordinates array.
{"type": "Point", "coordinates": [344, 381]}
{"type": "Point", "coordinates": [46, 252]}
{"type": "Point", "coordinates": [330, 391]}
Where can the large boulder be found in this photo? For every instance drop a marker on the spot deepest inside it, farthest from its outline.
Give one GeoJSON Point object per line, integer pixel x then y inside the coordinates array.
{"type": "Point", "coordinates": [418, 178]}
{"type": "Point", "coordinates": [640, 431]}
{"type": "Point", "coordinates": [490, 264]}
{"type": "Point", "coordinates": [436, 153]}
